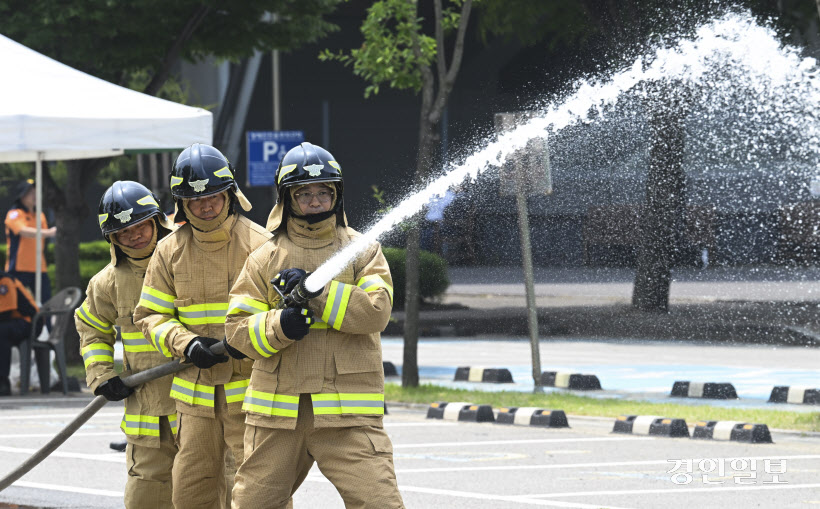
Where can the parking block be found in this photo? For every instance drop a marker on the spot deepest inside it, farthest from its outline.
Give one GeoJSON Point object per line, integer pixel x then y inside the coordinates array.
{"type": "Point", "coordinates": [651, 425]}
{"type": "Point", "coordinates": [567, 380]}
{"type": "Point", "coordinates": [460, 411]}
{"type": "Point", "coordinates": [795, 394]}
{"type": "Point", "coordinates": [708, 390]}
{"type": "Point", "coordinates": [482, 374]}
{"type": "Point", "coordinates": [532, 416]}
{"type": "Point", "coordinates": [733, 430]}
{"type": "Point", "coordinates": [389, 369]}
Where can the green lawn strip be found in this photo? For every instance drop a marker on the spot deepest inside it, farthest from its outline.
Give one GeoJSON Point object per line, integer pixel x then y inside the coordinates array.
{"type": "Point", "coordinates": [583, 405]}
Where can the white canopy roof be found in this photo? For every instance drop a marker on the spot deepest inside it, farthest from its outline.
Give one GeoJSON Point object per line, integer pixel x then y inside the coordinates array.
{"type": "Point", "coordinates": [63, 113]}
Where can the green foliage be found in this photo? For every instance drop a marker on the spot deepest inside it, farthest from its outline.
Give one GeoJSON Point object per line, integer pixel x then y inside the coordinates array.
{"type": "Point", "coordinates": [532, 22]}
{"type": "Point", "coordinates": [434, 280]}
{"type": "Point", "coordinates": [394, 49]}
{"type": "Point", "coordinates": [94, 256]}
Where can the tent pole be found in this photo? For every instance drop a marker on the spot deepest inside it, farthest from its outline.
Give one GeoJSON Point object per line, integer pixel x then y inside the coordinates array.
{"type": "Point", "coordinates": [38, 257]}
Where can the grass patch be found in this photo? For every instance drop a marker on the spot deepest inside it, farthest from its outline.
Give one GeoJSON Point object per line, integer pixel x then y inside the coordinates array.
{"type": "Point", "coordinates": [584, 405]}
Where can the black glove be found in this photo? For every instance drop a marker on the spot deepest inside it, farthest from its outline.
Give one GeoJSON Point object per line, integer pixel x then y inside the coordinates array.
{"type": "Point", "coordinates": [199, 352]}
{"type": "Point", "coordinates": [233, 352]}
{"type": "Point", "coordinates": [296, 322]}
{"type": "Point", "coordinates": [113, 389]}
{"type": "Point", "coordinates": [287, 280]}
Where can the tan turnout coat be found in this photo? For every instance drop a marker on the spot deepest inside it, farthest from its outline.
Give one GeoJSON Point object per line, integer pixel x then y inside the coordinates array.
{"type": "Point", "coordinates": [339, 362]}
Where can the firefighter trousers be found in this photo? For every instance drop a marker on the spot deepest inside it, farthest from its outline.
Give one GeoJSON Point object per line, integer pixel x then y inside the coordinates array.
{"type": "Point", "coordinates": [357, 460]}
{"type": "Point", "coordinates": [208, 449]}
{"type": "Point", "coordinates": [149, 472]}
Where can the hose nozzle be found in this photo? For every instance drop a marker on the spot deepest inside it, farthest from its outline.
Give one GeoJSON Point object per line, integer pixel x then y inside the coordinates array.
{"type": "Point", "coordinates": [300, 295]}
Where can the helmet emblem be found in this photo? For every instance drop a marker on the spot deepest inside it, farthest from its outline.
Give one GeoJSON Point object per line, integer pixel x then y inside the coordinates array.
{"type": "Point", "coordinates": [198, 185]}
{"type": "Point", "coordinates": [314, 170]}
{"type": "Point", "coordinates": [125, 215]}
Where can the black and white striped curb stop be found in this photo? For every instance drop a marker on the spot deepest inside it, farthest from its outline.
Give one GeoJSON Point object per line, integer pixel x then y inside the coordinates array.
{"type": "Point", "coordinates": [795, 394]}
{"type": "Point", "coordinates": [482, 374]}
{"type": "Point", "coordinates": [732, 430]}
{"type": "Point", "coordinates": [567, 380]}
{"type": "Point", "coordinates": [389, 369]}
{"type": "Point", "coordinates": [706, 390]}
{"type": "Point", "coordinates": [532, 416]}
{"type": "Point", "coordinates": [460, 412]}
{"type": "Point", "coordinates": [651, 425]}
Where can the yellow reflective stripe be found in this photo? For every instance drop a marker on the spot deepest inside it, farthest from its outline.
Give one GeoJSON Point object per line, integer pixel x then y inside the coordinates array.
{"type": "Point", "coordinates": [223, 172]}
{"type": "Point", "coordinates": [247, 305]}
{"type": "Point", "coordinates": [191, 393]}
{"type": "Point", "coordinates": [175, 181]}
{"type": "Point", "coordinates": [259, 338]}
{"type": "Point", "coordinates": [86, 316]}
{"type": "Point", "coordinates": [373, 283]}
{"type": "Point", "coordinates": [173, 422]}
{"type": "Point", "coordinates": [285, 170]}
{"type": "Point", "coordinates": [348, 403]}
{"type": "Point", "coordinates": [140, 425]}
{"type": "Point", "coordinates": [148, 199]}
{"type": "Point", "coordinates": [235, 391]}
{"type": "Point", "coordinates": [157, 300]}
{"type": "Point", "coordinates": [199, 314]}
{"type": "Point", "coordinates": [318, 324]}
{"type": "Point", "coordinates": [335, 165]}
{"type": "Point", "coordinates": [267, 403]}
{"type": "Point", "coordinates": [102, 218]}
{"type": "Point", "coordinates": [336, 306]}
{"type": "Point", "coordinates": [158, 335]}
{"type": "Point", "coordinates": [97, 352]}
{"type": "Point", "coordinates": [135, 342]}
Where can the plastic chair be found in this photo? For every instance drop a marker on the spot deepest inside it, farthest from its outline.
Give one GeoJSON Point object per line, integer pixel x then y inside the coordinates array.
{"type": "Point", "coordinates": [61, 306]}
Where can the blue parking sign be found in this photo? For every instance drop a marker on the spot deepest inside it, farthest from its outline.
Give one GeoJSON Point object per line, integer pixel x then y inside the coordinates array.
{"type": "Point", "coordinates": [265, 150]}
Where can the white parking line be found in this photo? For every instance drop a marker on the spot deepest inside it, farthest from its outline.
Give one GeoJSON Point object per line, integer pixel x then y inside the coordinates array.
{"type": "Point", "coordinates": [57, 416]}
{"type": "Point", "coordinates": [70, 489]}
{"type": "Point", "coordinates": [110, 458]}
{"type": "Point", "coordinates": [50, 435]}
{"type": "Point", "coordinates": [481, 496]}
{"type": "Point", "coordinates": [388, 424]}
{"type": "Point", "coordinates": [513, 442]}
{"type": "Point", "coordinates": [674, 489]}
{"type": "Point", "coordinates": [585, 465]}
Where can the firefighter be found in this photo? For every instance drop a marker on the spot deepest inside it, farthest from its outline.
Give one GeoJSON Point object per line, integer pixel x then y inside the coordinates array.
{"type": "Point", "coordinates": [182, 309]}
{"type": "Point", "coordinates": [132, 222]}
{"type": "Point", "coordinates": [317, 387]}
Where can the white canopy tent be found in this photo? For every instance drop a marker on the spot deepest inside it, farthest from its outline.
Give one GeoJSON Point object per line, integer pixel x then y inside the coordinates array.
{"type": "Point", "coordinates": [53, 112]}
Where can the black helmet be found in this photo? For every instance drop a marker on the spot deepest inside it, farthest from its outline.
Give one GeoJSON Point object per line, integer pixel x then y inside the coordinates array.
{"type": "Point", "coordinates": [126, 203]}
{"type": "Point", "coordinates": [308, 164]}
{"type": "Point", "coordinates": [201, 170]}
{"type": "Point", "coordinates": [302, 165]}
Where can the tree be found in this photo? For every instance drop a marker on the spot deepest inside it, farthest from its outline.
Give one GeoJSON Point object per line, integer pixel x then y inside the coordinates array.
{"type": "Point", "coordinates": [396, 51]}
{"type": "Point", "coordinates": [115, 40]}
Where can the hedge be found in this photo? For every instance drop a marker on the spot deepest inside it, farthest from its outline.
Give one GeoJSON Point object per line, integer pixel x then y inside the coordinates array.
{"type": "Point", "coordinates": [433, 269]}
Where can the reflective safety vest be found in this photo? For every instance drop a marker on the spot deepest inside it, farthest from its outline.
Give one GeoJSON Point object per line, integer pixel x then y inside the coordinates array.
{"type": "Point", "coordinates": [106, 314]}
{"type": "Point", "coordinates": [185, 295]}
{"type": "Point", "coordinates": [339, 362]}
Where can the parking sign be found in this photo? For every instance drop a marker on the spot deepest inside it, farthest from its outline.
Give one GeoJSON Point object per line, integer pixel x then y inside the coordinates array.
{"type": "Point", "coordinates": [265, 150]}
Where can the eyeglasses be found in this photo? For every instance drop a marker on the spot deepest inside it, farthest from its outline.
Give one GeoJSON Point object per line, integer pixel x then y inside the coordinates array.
{"type": "Point", "coordinates": [306, 198]}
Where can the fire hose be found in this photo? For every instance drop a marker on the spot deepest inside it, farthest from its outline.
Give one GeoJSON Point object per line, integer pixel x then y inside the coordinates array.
{"type": "Point", "coordinates": [298, 297]}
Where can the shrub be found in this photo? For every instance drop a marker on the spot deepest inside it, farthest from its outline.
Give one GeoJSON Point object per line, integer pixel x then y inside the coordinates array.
{"type": "Point", "coordinates": [433, 281]}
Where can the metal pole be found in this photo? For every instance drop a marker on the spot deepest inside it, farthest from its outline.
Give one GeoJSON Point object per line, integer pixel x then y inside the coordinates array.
{"type": "Point", "coordinates": [526, 259]}
{"type": "Point", "coordinates": [277, 97]}
{"type": "Point", "coordinates": [38, 208]}
{"type": "Point", "coordinates": [92, 408]}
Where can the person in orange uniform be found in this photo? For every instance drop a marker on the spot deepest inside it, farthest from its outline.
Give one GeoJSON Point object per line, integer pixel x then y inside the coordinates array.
{"type": "Point", "coordinates": [17, 307]}
{"type": "Point", "coordinates": [21, 244]}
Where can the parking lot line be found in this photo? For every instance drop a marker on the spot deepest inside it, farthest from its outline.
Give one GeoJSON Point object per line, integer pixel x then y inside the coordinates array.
{"type": "Point", "coordinates": [42, 416]}
{"type": "Point", "coordinates": [110, 458]}
{"type": "Point", "coordinates": [674, 489]}
{"type": "Point", "coordinates": [75, 435]}
{"type": "Point", "coordinates": [70, 489]}
{"type": "Point", "coordinates": [514, 442]}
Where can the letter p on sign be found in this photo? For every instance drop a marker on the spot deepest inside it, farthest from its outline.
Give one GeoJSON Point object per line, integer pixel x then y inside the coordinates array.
{"type": "Point", "coordinates": [269, 148]}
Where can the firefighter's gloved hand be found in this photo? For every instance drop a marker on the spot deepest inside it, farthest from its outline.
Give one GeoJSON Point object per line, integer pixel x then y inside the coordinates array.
{"type": "Point", "coordinates": [296, 322]}
{"type": "Point", "coordinates": [199, 352]}
{"type": "Point", "coordinates": [233, 352]}
{"type": "Point", "coordinates": [287, 280]}
{"type": "Point", "coordinates": [113, 389]}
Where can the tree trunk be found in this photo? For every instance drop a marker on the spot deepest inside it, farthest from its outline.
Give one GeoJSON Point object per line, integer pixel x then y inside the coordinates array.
{"type": "Point", "coordinates": [662, 217]}
{"type": "Point", "coordinates": [412, 301]}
